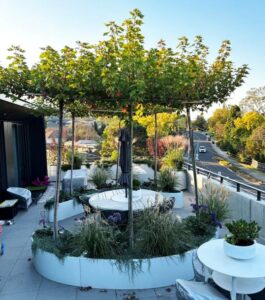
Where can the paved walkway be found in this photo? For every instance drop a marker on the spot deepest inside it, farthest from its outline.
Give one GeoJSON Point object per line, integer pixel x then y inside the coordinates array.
{"type": "Point", "coordinates": [20, 281]}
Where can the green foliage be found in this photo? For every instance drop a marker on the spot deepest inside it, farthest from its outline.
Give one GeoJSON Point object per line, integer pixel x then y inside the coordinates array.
{"type": "Point", "coordinates": [43, 232]}
{"type": "Point", "coordinates": [200, 230]}
{"type": "Point", "coordinates": [114, 156]}
{"type": "Point", "coordinates": [139, 138]}
{"type": "Point", "coordinates": [77, 160]}
{"type": "Point", "coordinates": [173, 159]}
{"type": "Point", "coordinates": [143, 160]}
{"type": "Point", "coordinates": [96, 240]}
{"type": "Point", "coordinates": [200, 123]}
{"type": "Point", "coordinates": [65, 167]}
{"type": "Point", "coordinates": [110, 136]}
{"type": "Point", "coordinates": [165, 122]}
{"type": "Point", "coordinates": [243, 232]}
{"type": "Point", "coordinates": [99, 177]}
{"type": "Point", "coordinates": [232, 131]}
{"type": "Point", "coordinates": [167, 180]}
{"type": "Point", "coordinates": [136, 184]}
{"type": "Point", "coordinates": [216, 199]}
{"type": "Point", "coordinates": [255, 144]}
{"type": "Point", "coordinates": [158, 234]}
{"type": "Point", "coordinates": [217, 121]}
{"type": "Point", "coordinates": [14, 80]}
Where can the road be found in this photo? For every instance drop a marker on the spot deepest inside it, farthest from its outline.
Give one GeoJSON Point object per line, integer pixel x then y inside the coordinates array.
{"type": "Point", "coordinates": [210, 162]}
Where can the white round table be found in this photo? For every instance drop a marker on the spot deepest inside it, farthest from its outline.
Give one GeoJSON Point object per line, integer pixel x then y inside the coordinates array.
{"type": "Point", "coordinates": [115, 200]}
{"type": "Point", "coordinates": [232, 274]}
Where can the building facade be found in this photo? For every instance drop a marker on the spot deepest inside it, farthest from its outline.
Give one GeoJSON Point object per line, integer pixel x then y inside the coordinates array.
{"type": "Point", "coordinates": [22, 146]}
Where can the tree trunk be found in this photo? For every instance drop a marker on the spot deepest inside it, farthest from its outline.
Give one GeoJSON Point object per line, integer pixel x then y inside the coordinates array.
{"type": "Point", "coordinates": [117, 161]}
{"type": "Point", "coordinates": [130, 208]}
{"type": "Point", "coordinates": [58, 172]}
{"type": "Point", "coordinates": [72, 153]}
{"type": "Point", "coordinates": [156, 146]}
{"type": "Point", "coordinates": [192, 156]}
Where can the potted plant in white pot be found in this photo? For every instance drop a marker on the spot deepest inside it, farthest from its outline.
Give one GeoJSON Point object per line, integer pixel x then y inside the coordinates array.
{"type": "Point", "coordinates": [167, 183]}
{"type": "Point", "coordinates": [137, 192]}
{"type": "Point", "coordinates": [174, 160]}
{"type": "Point", "coordinates": [240, 243]}
{"type": "Point", "coordinates": [100, 178]}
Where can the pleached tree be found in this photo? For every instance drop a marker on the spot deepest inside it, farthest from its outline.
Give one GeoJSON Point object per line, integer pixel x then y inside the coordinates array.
{"type": "Point", "coordinates": [198, 84]}
{"type": "Point", "coordinates": [122, 59]}
{"type": "Point", "coordinates": [60, 78]}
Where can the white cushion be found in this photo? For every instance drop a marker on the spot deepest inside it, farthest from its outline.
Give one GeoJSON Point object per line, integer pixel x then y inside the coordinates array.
{"type": "Point", "coordinates": [197, 290]}
{"type": "Point", "coordinates": [24, 193]}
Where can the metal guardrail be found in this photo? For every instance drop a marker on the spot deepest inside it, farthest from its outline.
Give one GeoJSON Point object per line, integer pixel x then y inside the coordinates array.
{"type": "Point", "coordinates": [260, 194]}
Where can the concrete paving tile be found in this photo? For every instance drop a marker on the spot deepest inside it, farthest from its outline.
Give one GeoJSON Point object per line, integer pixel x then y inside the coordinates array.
{"type": "Point", "coordinates": [96, 294]}
{"type": "Point", "coordinates": [19, 296]}
{"type": "Point", "coordinates": [3, 280]}
{"type": "Point", "coordinates": [19, 241]}
{"type": "Point", "coordinates": [23, 278]}
{"type": "Point", "coordinates": [48, 286]}
{"type": "Point", "coordinates": [26, 253]}
{"type": "Point", "coordinates": [50, 290]}
{"type": "Point", "coordinates": [139, 294]}
{"type": "Point", "coordinates": [11, 252]}
{"type": "Point", "coordinates": [166, 291]}
{"type": "Point", "coordinates": [6, 265]}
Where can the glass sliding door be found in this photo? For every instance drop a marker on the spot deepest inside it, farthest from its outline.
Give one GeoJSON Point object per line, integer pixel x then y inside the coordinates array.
{"type": "Point", "coordinates": [14, 152]}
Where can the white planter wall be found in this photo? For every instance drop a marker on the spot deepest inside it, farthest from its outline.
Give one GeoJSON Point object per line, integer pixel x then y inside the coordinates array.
{"type": "Point", "coordinates": [141, 171]}
{"type": "Point", "coordinates": [179, 200]}
{"type": "Point", "coordinates": [106, 274]}
{"type": "Point", "coordinates": [66, 210]}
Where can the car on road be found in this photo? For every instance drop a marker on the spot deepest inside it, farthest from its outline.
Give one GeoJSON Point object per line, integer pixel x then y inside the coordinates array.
{"type": "Point", "coordinates": [202, 149]}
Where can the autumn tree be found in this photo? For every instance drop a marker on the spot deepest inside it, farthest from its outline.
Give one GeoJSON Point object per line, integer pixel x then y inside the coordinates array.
{"type": "Point", "coordinates": [165, 122]}
{"type": "Point", "coordinates": [254, 101]}
{"type": "Point", "coordinates": [255, 144]}
{"type": "Point", "coordinates": [200, 123]}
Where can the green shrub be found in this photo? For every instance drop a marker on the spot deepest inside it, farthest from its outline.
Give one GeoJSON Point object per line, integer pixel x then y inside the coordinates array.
{"type": "Point", "coordinates": [96, 240]}
{"type": "Point", "coordinates": [136, 184]}
{"type": "Point", "coordinates": [143, 160]}
{"type": "Point", "coordinates": [114, 156]}
{"type": "Point", "coordinates": [39, 233]}
{"type": "Point", "coordinates": [166, 180]}
{"type": "Point", "coordinates": [99, 177]}
{"type": "Point", "coordinates": [77, 160]}
{"type": "Point", "coordinates": [199, 227]}
{"type": "Point", "coordinates": [173, 159]}
{"type": "Point", "coordinates": [157, 234]}
{"type": "Point", "coordinates": [65, 167]}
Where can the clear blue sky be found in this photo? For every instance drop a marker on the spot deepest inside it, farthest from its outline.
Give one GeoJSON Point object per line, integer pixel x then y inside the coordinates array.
{"type": "Point", "coordinates": [36, 23]}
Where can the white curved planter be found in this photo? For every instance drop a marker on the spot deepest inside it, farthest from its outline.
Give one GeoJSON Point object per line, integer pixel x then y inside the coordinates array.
{"type": "Point", "coordinates": [107, 274]}
{"type": "Point", "coordinates": [137, 194]}
{"type": "Point", "coordinates": [66, 210]}
{"type": "Point", "coordinates": [179, 200]}
{"type": "Point", "coordinates": [240, 252]}
{"type": "Point", "coordinates": [181, 180]}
